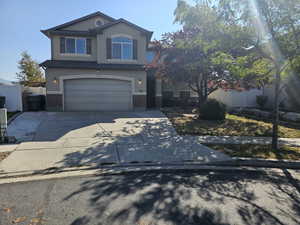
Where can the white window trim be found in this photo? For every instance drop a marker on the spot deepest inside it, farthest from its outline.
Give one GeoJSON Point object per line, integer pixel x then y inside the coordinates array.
{"type": "Point", "coordinates": [121, 43]}
{"type": "Point", "coordinates": [75, 54]}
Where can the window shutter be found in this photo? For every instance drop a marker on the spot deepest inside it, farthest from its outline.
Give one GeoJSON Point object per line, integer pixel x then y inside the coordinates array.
{"type": "Point", "coordinates": [108, 48]}
{"type": "Point", "coordinates": [135, 46]}
{"type": "Point", "coordinates": [62, 45]}
{"type": "Point", "coordinates": [88, 46]}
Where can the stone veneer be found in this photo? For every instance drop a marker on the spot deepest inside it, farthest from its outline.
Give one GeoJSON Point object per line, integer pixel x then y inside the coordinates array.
{"type": "Point", "coordinates": [54, 102]}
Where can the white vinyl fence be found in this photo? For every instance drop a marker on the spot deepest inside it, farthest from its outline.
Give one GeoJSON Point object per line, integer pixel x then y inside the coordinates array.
{"type": "Point", "coordinates": [248, 98]}
{"type": "Point", "coordinates": [237, 98]}
{"type": "Point", "coordinates": [34, 90]}
{"type": "Point", "coordinates": [13, 95]}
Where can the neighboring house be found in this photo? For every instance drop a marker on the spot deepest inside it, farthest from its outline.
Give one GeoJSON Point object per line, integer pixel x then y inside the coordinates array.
{"type": "Point", "coordinates": [171, 92]}
{"type": "Point", "coordinates": [12, 92]}
{"type": "Point", "coordinates": [98, 63]}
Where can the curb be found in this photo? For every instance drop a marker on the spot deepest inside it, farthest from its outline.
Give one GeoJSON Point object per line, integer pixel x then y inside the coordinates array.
{"type": "Point", "coordinates": [240, 140]}
{"type": "Point", "coordinates": [119, 170]}
{"type": "Point", "coordinates": [8, 147]}
{"type": "Point", "coordinates": [11, 119]}
{"type": "Point", "coordinates": [259, 163]}
{"type": "Point", "coordinates": [241, 164]}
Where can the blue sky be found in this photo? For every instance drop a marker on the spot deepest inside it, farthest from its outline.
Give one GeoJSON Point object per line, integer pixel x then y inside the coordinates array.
{"type": "Point", "coordinates": [22, 20]}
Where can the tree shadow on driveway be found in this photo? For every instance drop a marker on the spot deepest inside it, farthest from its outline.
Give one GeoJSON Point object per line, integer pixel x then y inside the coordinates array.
{"type": "Point", "coordinates": [141, 141]}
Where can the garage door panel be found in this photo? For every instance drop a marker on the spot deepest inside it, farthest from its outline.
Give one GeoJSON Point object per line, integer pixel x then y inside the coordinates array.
{"type": "Point", "coordinates": [95, 101]}
{"type": "Point", "coordinates": [88, 84]}
{"type": "Point", "coordinates": [100, 107]}
{"type": "Point", "coordinates": [97, 95]}
{"type": "Point", "coordinates": [104, 87]}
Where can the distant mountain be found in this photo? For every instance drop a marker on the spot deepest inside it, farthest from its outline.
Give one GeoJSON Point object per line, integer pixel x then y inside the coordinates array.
{"type": "Point", "coordinates": [2, 81]}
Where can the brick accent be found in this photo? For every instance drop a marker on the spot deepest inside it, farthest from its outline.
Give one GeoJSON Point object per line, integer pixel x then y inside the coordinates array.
{"type": "Point", "coordinates": [139, 101]}
{"type": "Point", "coordinates": [54, 102]}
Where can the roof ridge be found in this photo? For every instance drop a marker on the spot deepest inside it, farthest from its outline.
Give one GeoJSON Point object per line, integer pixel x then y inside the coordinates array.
{"type": "Point", "coordinates": [98, 13]}
{"type": "Point", "coordinates": [119, 21]}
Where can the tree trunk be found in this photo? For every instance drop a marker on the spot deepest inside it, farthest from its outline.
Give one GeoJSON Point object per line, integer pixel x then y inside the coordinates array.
{"type": "Point", "coordinates": [205, 91]}
{"type": "Point", "coordinates": [276, 111]}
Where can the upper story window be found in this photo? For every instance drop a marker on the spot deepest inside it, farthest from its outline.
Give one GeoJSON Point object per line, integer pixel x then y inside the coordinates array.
{"type": "Point", "coordinates": [122, 48]}
{"type": "Point", "coordinates": [76, 46]}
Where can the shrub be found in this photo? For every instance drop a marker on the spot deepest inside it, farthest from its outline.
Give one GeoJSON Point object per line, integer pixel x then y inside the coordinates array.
{"type": "Point", "coordinates": [261, 100]}
{"type": "Point", "coordinates": [212, 110]}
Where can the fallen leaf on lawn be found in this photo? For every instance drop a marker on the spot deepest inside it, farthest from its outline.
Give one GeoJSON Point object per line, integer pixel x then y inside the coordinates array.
{"type": "Point", "coordinates": [7, 210]}
{"type": "Point", "coordinates": [35, 221]}
{"type": "Point", "coordinates": [19, 220]}
{"type": "Point", "coordinates": [40, 212]}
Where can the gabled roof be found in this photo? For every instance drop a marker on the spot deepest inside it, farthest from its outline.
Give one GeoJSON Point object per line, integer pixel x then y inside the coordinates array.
{"type": "Point", "coordinates": [56, 29]}
{"type": "Point", "coordinates": [107, 25]}
{"type": "Point", "coordinates": [78, 20]}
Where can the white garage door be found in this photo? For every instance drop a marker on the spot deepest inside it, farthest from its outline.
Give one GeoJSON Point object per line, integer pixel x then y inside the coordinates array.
{"type": "Point", "coordinates": [97, 95]}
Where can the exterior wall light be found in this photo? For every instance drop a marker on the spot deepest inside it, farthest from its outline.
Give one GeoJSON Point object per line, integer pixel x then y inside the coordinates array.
{"type": "Point", "coordinates": [55, 80]}
{"type": "Point", "coordinates": [140, 82]}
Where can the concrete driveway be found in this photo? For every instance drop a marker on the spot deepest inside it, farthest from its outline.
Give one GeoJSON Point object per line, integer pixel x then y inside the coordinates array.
{"type": "Point", "coordinates": [50, 139]}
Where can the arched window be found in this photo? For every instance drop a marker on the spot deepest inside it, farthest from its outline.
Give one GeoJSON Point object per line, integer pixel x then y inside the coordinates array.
{"type": "Point", "coordinates": [122, 48]}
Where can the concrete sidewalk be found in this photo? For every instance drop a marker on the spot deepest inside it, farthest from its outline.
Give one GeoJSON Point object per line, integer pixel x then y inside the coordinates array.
{"type": "Point", "coordinates": [245, 140]}
{"type": "Point", "coordinates": [94, 152]}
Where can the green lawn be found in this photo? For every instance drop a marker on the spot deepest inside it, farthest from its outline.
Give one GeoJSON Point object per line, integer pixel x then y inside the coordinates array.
{"type": "Point", "coordinates": [258, 151]}
{"type": "Point", "coordinates": [231, 126]}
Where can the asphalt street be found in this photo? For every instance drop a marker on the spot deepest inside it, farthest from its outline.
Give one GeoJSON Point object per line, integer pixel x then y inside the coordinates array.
{"type": "Point", "coordinates": [150, 198]}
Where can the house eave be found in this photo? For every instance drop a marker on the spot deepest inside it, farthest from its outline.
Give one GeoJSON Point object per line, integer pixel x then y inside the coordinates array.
{"type": "Point", "coordinates": [77, 21]}
{"type": "Point", "coordinates": [66, 64]}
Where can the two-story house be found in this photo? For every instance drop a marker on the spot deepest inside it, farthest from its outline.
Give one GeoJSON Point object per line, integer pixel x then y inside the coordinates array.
{"type": "Point", "coordinates": [97, 64]}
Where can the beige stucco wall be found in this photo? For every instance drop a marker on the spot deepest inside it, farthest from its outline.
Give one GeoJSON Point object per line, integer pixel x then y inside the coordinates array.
{"type": "Point", "coordinates": [58, 56]}
{"type": "Point", "coordinates": [52, 73]}
{"type": "Point", "coordinates": [99, 46]}
{"type": "Point", "coordinates": [121, 29]}
{"type": "Point", "coordinates": [86, 25]}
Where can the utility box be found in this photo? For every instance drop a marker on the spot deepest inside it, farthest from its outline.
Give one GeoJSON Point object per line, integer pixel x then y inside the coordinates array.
{"type": "Point", "coordinates": [3, 123]}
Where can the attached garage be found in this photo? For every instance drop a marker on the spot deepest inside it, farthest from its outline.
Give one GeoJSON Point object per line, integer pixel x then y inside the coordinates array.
{"type": "Point", "coordinates": [97, 95]}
